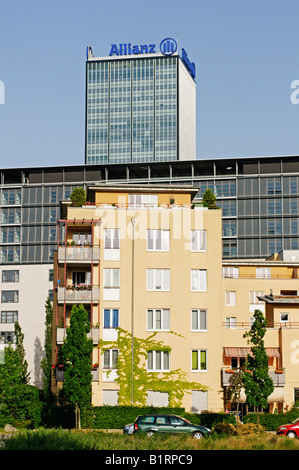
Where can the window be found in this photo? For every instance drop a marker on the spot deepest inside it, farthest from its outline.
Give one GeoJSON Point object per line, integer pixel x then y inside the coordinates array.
{"type": "Point", "coordinates": [7, 337]}
{"type": "Point", "coordinates": [230, 298]}
{"type": "Point", "coordinates": [274, 186]}
{"type": "Point", "coordinates": [81, 278]}
{"type": "Point", "coordinates": [263, 273]}
{"type": "Point", "coordinates": [10, 235]}
{"type": "Point", "coordinates": [111, 284]}
{"type": "Point", "coordinates": [199, 360]}
{"type": "Point", "coordinates": [198, 240]}
{"type": "Point", "coordinates": [110, 359]}
{"type": "Point", "coordinates": [284, 317]}
{"type": "Point", "coordinates": [158, 361]}
{"type": "Point", "coordinates": [10, 276]}
{"type": "Point", "coordinates": [11, 197]}
{"type": "Point", "coordinates": [198, 320]}
{"type": "Point", "coordinates": [82, 238]}
{"type": "Point", "coordinates": [199, 280]}
{"type": "Point", "coordinates": [230, 322]}
{"type": "Point", "coordinates": [50, 295]}
{"type": "Point", "coordinates": [11, 216]}
{"type": "Point", "coordinates": [111, 239]}
{"type": "Point", "coordinates": [158, 240]}
{"type": "Point", "coordinates": [10, 296]}
{"type": "Point", "coordinates": [111, 318]}
{"type": "Point", "coordinates": [230, 272]}
{"type": "Point", "coordinates": [158, 319]}
{"type": "Point", "coordinates": [9, 317]}
{"type": "Point", "coordinates": [253, 297]}
{"type": "Point", "coordinates": [51, 275]}
{"type": "Point", "coordinates": [139, 201]}
{"type": "Point", "coordinates": [111, 278]}
{"type": "Point", "coordinates": [158, 279]}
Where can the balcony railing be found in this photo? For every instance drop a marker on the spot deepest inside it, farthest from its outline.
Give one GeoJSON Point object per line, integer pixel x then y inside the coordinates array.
{"type": "Point", "coordinates": [246, 324]}
{"type": "Point", "coordinates": [278, 377]}
{"type": "Point", "coordinates": [94, 334]}
{"type": "Point", "coordinates": [78, 254]}
{"type": "Point", "coordinates": [59, 374]}
{"type": "Point", "coordinates": [83, 294]}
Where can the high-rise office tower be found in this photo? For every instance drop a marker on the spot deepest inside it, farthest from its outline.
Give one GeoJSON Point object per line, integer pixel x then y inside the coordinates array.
{"type": "Point", "coordinates": [140, 104]}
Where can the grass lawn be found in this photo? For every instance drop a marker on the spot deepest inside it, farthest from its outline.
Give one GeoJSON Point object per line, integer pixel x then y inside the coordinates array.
{"type": "Point", "coordinates": [60, 439]}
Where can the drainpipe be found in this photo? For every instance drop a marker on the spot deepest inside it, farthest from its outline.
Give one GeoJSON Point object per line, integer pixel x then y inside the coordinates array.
{"type": "Point", "coordinates": [132, 317]}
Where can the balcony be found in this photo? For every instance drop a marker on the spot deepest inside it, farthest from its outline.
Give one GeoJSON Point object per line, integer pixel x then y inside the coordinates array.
{"type": "Point", "coordinates": [278, 377]}
{"type": "Point", "coordinates": [82, 295]}
{"type": "Point", "coordinates": [59, 374]}
{"type": "Point", "coordinates": [78, 254]}
{"type": "Point", "coordinates": [94, 334]}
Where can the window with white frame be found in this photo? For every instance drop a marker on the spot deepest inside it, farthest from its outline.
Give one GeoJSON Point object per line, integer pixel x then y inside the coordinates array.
{"type": "Point", "coordinates": [230, 322]}
{"type": "Point", "coordinates": [198, 240]}
{"type": "Point", "coordinates": [111, 239]}
{"type": "Point", "coordinates": [284, 317]}
{"type": "Point", "coordinates": [158, 361]}
{"type": "Point", "coordinates": [158, 279]}
{"type": "Point", "coordinates": [263, 273]}
{"type": "Point", "coordinates": [111, 278]}
{"type": "Point", "coordinates": [199, 360]}
{"type": "Point", "coordinates": [111, 318]}
{"type": "Point", "coordinates": [112, 244]}
{"type": "Point", "coordinates": [158, 240]}
{"type": "Point", "coordinates": [230, 272]}
{"type": "Point", "coordinates": [253, 297]}
{"type": "Point", "coordinates": [111, 284]}
{"type": "Point", "coordinates": [199, 280]}
{"type": "Point", "coordinates": [139, 201]}
{"type": "Point", "coordinates": [230, 298]}
{"type": "Point", "coordinates": [158, 319]}
{"type": "Point", "coordinates": [110, 359]}
{"type": "Point", "coordinates": [198, 320]}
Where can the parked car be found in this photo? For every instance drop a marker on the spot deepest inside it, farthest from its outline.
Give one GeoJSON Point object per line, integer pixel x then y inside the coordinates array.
{"type": "Point", "coordinates": [290, 430]}
{"type": "Point", "coordinates": [150, 424]}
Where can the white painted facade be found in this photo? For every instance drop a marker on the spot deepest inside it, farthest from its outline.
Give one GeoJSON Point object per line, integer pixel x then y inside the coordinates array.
{"type": "Point", "coordinates": [26, 296]}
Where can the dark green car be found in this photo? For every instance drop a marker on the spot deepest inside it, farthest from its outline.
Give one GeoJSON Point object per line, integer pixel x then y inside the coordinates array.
{"type": "Point", "coordinates": [150, 424]}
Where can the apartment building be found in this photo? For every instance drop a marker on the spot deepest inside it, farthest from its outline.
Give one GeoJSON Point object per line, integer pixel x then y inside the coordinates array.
{"type": "Point", "coordinates": [146, 260]}
{"type": "Point", "coordinates": [272, 286]}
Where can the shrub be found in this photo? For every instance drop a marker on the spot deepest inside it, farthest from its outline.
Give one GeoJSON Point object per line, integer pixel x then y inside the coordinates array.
{"type": "Point", "coordinates": [225, 428]}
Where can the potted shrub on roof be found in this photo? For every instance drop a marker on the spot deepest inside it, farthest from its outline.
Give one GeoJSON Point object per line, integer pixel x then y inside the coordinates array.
{"type": "Point", "coordinates": [78, 197]}
{"type": "Point", "coordinates": [209, 199]}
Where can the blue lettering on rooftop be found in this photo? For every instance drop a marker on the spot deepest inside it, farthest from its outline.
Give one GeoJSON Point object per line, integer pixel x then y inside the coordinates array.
{"type": "Point", "coordinates": [190, 65]}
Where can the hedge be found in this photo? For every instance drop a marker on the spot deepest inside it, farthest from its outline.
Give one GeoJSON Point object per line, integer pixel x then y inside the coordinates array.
{"type": "Point", "coordinates": [271, 422]}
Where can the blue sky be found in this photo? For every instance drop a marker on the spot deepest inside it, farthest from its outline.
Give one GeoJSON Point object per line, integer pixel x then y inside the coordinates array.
{"type": "Point", "coordinates": [246, 56]}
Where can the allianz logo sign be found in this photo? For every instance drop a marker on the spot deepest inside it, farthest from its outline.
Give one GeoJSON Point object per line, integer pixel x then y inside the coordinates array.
{"type": "Point", "coordinates": [168, 47]}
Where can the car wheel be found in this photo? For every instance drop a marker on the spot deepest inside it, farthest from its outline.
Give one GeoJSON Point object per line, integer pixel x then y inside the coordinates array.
{"type": "Point", "coordinates": [150, 433]}
{"type": "Point", "coordinates": [292, 434]}
{"type": "Point", "coordinates": [197, 435]}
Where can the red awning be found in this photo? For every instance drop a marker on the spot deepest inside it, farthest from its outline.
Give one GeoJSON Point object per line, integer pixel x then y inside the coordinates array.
{"type": "Point", "coordinates": [242, 352]}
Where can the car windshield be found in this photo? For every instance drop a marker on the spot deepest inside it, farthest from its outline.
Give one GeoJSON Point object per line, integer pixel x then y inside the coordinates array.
{"type": "Point", "coordinates": [295, 421]}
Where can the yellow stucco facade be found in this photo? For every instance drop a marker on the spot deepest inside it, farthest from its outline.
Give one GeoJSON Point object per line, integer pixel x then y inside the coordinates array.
{"type": "Point", "coordinates": [148, 261]}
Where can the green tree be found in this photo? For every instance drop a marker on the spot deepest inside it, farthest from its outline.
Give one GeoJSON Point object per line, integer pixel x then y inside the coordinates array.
{"type": "Point", "coordinates": [78, 197]}
{"type": "Point", "coordinates": [76, 352]}
{"type": "Point", "coordinates": [236, 384]}
{"type": "Point", "coordinates": [258, 384]}
{"type": "Point", "coordinates": [18, 399]}
{"type": "Point", "coordinates": [46, 363]}
{"type": "Point", "coordinates": [209, 199]}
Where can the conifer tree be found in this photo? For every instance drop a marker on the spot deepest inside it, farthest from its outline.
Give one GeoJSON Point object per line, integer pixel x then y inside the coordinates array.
{"type": "Point", "coordinates": [76, 352]}
{"type": "Point", "coordinates": [258, 384]}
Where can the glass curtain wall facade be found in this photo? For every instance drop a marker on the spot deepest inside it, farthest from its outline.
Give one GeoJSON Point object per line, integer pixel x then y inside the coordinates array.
{"type": "Point", "coordinates": [259, 202]}
{"type": "Point", "coordinates": [132, 110]}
